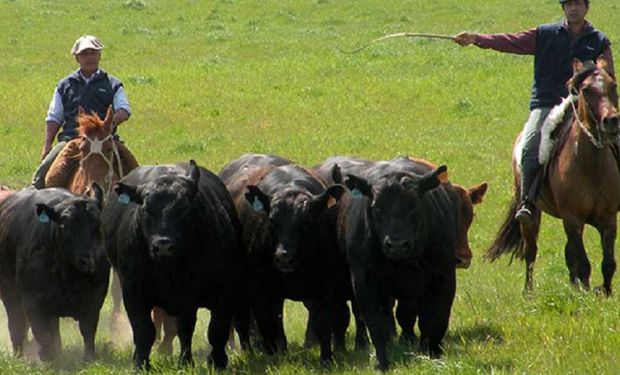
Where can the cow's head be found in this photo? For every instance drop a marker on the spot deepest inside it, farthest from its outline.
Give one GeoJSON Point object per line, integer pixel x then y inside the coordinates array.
{"type": "Point", "coordinates": [78, 234]}
{"type": "Point", "coordinates": [467, 198]}
{"type": "Point", "coordinates": [395, 212]}
{"type": "Point", "coordinates": [166, 209]}
{"type": "Point", "coordinates": [294, 216]}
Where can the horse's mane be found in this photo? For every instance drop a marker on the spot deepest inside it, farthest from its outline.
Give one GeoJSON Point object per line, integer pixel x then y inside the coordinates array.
{"type": "Point", "coordinates": [89, 123]}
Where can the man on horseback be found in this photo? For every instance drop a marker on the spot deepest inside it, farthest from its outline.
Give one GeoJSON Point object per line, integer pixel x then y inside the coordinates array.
{"type": "Point", "coordinates": [89, 87]}
{"type": "Point", "coordinates": [554, 47]}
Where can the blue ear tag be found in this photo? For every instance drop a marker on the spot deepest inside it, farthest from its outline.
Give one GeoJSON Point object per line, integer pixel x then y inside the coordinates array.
{"type": "Point", "coordinates": [43, 218]}
{"type": "Point", "coordinates": [356, 193]}
{"type": "Point", "coordinates": [123, 198]}
{"type": "Point", "coordinates": [257, 204]}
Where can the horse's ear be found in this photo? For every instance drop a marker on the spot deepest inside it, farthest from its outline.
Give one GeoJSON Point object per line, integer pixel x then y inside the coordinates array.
{"type": "Point", "coordinates": [194, 171]}
{"type": "Point", "coordinates": [577, 65]}
{"type": "Point", "coordinates": [81, 111]}
{"type": "Point", "coordinates": [109, 118]}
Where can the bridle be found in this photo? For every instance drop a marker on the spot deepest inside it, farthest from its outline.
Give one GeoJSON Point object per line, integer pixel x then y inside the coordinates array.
{"type": "Point", "coordinates": [596, 141]}
{"type": "Point", "coordinates": [96, 148]}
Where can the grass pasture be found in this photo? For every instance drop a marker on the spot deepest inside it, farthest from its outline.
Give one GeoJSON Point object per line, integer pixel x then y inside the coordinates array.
{"type": "Point", "coordinates": [211, 80]}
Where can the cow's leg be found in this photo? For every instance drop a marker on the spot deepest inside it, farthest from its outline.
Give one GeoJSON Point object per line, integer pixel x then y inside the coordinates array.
{"type": "Point", "coordinates": [88, 329]}
{"type": "Point", "coordinates": [530, 238]}
{"type": "Point", "coordinates": [43, 331]}
{"type": "Point", "coordinates": [277, 314]}
{"type": "Point", "coordinates": [342, 318]}
{"type": "Point", "coordinates": [166, 324]}
{"type": "Point", "coordinates": [117, 319]}
{"type": "Point", "coordinates": [323, 323]}
{"type": "Point", "coordinates": [361, 331]}
{"type": "Point", "coordinates": [575, 253]}
{"type": "Point", "coordinates": [219, 328]}
{"type": "Point", "coordinates": [406, 315]}
{"type": "Point", "coordinates": [241, 322]}
{"type": "Point", "coordinates": [186, 323]}
{"type": "Point", "coordinates": [17, 322]}
{"type": "Point", "coordinates": [310, 338]}
{"type": "Point", "coordinates": [55, 329]}
{"type": "Point", "coordinates": [434, 312]}
{"type": "Point", "coordinates": [143, 331]}
{"type": "Point", "coordinates": [367, 293]}
{"type": "Point", "coordinates": [608, 266]}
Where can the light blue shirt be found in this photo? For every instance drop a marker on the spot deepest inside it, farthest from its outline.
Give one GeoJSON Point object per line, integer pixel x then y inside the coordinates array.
{"type": "Point", "coordinates": [56, 111]}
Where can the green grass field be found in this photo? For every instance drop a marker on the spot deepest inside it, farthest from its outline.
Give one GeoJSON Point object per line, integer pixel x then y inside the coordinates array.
{"type": "Point", "coordinates": [211, 80]}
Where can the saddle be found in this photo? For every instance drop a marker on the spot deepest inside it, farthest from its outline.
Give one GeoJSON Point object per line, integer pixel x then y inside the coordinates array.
{"type": "Point", "coordinates": [67, 164]}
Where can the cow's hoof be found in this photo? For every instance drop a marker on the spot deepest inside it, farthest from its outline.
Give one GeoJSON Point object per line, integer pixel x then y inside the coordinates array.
{"type": "Point", "coordinates": [218, 361]}
{"type": "Point", "coordinates": [383, 367]}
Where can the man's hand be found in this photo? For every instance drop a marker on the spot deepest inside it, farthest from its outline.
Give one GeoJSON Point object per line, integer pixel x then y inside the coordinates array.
{"type": "Point", "coordinates": [46, 150]}
{"type": "Point", "coordinates": [465, 38]}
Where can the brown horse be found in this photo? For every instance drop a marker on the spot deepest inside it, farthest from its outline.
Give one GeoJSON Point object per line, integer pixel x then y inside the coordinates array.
{"type": "Point", "coordinates": [95, 156]}
{"type": "Point", "coordinates": [581, 184]}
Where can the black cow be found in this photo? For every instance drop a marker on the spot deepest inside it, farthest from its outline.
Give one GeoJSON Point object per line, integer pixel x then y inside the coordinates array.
{"type": "Point", "coordinates": [175, 239]}
{"type": "Point", "coordinates": [285, 212]}
{"type": "Point", "coordinates": [399, 231]}
{"type": "Point", "coordinates": [52, 264]}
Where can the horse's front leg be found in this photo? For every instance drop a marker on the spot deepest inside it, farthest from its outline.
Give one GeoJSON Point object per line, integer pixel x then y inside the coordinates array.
{"type": "Point", "coordinates": [530, 237]}
{"type": "Point", "coordinates": [608, 239]}
{"type": "Point", "coordinates": [575, 253]}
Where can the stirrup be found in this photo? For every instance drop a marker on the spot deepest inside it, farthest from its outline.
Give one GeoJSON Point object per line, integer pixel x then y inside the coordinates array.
{"type": "Point", "coordinates": [525, 215]}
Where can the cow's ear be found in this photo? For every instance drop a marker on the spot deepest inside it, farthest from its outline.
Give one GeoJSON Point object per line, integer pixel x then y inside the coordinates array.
{"type": "Point", "coordinates": [128, 193]}
{"type": "Point", "coordinates": [476, 193]}
{"type": "Point", "coordinates": [330, 197]}
{"type": "Point", "coordinates": [257, 199]}
{"type": "Point", "coordinates": [194, 171]}
{"type": "Point", "coordinates": [432, 179]}
{"type": "Point", "coordinates": [46, 213]}
{"type": "Point", "coordinates": [337, 174]}
{"type": "Point", "coordinates": [96, 193]}
{"type": "Point", "coordinates": [358, 187]}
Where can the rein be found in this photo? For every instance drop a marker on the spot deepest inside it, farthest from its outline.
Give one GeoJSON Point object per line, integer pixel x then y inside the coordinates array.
{"type": "Point", "coordinates": [598, 143]}
{"type": "Point", "coordinates": [96, 148]}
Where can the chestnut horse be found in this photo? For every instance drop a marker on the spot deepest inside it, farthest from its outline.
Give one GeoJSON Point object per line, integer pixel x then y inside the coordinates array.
{"type": "Point", "coordinates": [95, 156]}
{"type": "Point", "coordinates": [581, 184]}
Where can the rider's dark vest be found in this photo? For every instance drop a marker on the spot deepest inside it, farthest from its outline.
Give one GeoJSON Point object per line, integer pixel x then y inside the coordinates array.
{"type": "Point", "coordinates": [96, 95]}
{"type": "Point", "coordinates": [553, 60]}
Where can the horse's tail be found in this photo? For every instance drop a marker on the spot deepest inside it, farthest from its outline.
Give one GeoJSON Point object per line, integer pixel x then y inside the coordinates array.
{"type": "Point", "coordinates": [509, 238]}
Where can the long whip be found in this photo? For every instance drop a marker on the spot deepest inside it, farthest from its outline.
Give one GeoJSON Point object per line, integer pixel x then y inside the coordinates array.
{"type": "Point", "coordinates": [397, 35]}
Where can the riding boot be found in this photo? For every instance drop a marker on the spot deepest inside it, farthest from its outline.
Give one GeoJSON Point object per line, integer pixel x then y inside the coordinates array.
{"type": "Point", "coordinates": [530, 165]}
{"type": "Point", "coordinates": [528, 190]}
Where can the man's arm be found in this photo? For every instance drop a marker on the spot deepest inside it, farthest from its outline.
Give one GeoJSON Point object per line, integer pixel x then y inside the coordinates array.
{"type": "Point", "coordinates": [122, 110]}
{"type": "Point", "coordinates": [55, 117]}
{"type": "Point", "coordinates": [522, 43]}
{"type": "Point", "coordinates": [51, 129]}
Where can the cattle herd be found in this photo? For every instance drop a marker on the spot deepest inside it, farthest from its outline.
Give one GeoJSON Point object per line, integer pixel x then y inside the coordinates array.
{"type": "Point", "coordinates": [385, 237]}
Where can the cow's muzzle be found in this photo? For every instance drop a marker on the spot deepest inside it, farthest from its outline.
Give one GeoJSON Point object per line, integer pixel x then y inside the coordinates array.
{"type": "Point", "coordinates": [162, 247]}
{"type": "Point", "coordinates": [85, 264]}
{"type": "Point", "coordinates": [397, 248]}
{"type": "Point", "coordinates": [283, 260]}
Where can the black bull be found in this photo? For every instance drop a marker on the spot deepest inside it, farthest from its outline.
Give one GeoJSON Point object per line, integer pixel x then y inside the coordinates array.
{"type": "Point", "coordinates": [175, 240]}
{"type": "Point", "coordinates": [292, 245]}
{"type": "Point", "coordinates": [399, 232]}
{"type": "Point", "coordinates": [52, 264]}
